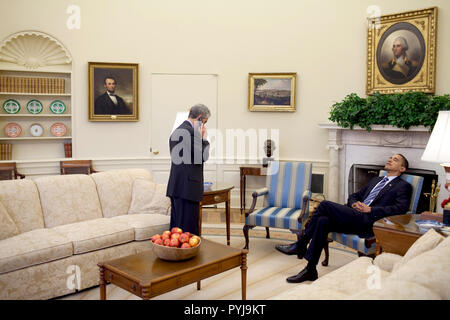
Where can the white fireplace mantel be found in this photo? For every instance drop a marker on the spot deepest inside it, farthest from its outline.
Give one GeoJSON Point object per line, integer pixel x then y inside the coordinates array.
{"type": "Point", "coordinates": [358, 145]}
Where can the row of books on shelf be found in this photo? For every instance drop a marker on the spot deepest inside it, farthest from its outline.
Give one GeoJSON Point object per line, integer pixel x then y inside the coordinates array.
{"type": "Point", "coordinates": [5, 151]}
{"type": "Point", "coordinates": [32, 85]}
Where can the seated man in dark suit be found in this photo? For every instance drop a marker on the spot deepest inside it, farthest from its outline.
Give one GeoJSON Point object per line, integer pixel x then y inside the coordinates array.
{"type": "Point", "coordinates": [109, 102]}
{"type": "Point", "coordinates": [381, 197]}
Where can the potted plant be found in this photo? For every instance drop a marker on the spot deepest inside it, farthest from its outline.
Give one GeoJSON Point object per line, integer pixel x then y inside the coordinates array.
{"type": "Point", "coordinates": [401, 110]}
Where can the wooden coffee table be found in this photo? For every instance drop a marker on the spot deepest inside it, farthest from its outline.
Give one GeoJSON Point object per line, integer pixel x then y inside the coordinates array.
{"type": "Point", "coordinates": [396, 234]}
{"type": "Point", "coordinates": [147, 276]}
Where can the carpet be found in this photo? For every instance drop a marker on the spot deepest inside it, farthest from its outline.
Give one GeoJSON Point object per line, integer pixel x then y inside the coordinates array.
{"type": "Point", "coordinates": [266, 274]}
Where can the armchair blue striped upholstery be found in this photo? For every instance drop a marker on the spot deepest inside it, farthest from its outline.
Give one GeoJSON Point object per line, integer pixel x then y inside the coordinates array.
{"type": "Point", "coordinates": [286, 198]}
{"type": "Point", "coordinates": [361, 244]}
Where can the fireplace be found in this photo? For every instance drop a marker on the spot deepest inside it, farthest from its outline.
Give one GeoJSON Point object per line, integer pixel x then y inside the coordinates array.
{"type": "Point", "coordinates": [360, 175]}
{"type": "Point", "coordinates": [347, 147]}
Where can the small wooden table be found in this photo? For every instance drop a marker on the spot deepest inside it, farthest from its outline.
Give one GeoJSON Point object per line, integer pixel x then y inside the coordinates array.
{"type": "Point", "coordinates": [147, 276]}
{"type": "Point", "coordinates": [256, 170]}
{"type": "Point", "coordinates": [215, 195]}
{"type": "Point", "coordinates": [396, 234]}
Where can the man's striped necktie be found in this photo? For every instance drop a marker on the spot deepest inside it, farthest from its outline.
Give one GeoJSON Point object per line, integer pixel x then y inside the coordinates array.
{"type": "Point", "coordinates": [375, 191]}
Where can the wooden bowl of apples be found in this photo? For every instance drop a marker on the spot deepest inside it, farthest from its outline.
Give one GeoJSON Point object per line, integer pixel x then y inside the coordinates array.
{"type": "Point", "coordinates": [175, 245]}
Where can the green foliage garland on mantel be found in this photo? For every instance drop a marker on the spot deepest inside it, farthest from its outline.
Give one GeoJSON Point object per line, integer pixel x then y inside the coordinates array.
{"type": "Point", "coordinates": [401, 110]}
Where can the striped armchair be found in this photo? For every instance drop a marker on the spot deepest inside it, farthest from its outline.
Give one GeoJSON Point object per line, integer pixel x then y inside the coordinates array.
{"type": "Point", "coordinates": [366, 246]}
{"type": "Point", "coordinates": [286, 198]}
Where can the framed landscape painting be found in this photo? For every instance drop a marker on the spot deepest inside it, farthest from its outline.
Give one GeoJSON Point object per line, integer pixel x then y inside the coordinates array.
{"type": "Point", "coordinates": [113, 91]}
{"type": "Point", "coordinates": [401, 52]}
{"type": "Point", "coordinates": [271, 92]}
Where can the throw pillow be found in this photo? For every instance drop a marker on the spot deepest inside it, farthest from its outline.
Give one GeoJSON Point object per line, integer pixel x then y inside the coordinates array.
{"type": "Point", "coordinates": [425, 243]}
{"type": "Point", "coordinates": [148, 197]}
{"type": "Point", "coordinates": [8, 228]}
{"type": "Point", "coordinates": [429, 269]}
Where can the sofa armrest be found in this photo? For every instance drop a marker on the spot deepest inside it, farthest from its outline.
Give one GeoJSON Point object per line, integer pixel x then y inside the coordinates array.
{"type": "Point", "coordinates": [386, 261]}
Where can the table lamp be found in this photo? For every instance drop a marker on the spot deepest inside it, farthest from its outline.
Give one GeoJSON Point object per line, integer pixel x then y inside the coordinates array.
{"type": "Point", "coordinates": [438, 146]}
{"type": "Point", "coordinates": [179, 119]}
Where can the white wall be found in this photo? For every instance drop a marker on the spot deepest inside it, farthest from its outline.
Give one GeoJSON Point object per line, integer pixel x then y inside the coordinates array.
{"type": "Point", "coordinates": [323, 41]}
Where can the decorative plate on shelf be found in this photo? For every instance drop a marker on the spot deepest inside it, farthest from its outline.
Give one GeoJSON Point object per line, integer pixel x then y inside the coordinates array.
{"type": "Point", "coordinates": [36, 130]}
{"type": "Point", "coordinates": [58, 129]}
{"type": "Point", "coordinates": [11, 106]}
{"type": "Point", "coordinates": [34, 106]}
{"type": "Point", "coordinates": [57, 107]}
{"type": "Point", "coordinates": [13, 130]}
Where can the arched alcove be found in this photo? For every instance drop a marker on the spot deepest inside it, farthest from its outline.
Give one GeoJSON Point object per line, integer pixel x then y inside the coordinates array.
{"type": "Point", "coordinates": [33, 50]}
{"type": "Point", "coordinates": [35, 97]}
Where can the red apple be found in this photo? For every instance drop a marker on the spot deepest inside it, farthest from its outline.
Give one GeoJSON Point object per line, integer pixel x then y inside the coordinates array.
{"type": "Point", "coordinates": [166, 235]}
{"type": "Point", "coordinates": [158, 241]}
{"type": "Point", "coordinates": [185, 245]}
{"type": "Point", "coordinates": [184, 238]}
{"type": "Point", "coordinates": [176, 230]}
{"type": "Point", "coordinates": [156, 237]}
{"type": "Point", "coordinates": [194, 240]}
{"type": "Point", "coordinates": [189, 234]}
{"type": "Point", "coordinates": [166, 242]}
{"type": "Point", "coordinates": [174, 243]}
{"type": "Point", "coordinates": [175, 236]}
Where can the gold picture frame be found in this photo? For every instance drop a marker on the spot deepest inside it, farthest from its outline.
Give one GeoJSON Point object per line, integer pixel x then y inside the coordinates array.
{"type": "Point", "coordinates": [113, 91]}
{"type": "Point", "coordinates": [392, 68]}
{"type": "Point", "coordinates": [271, 91]}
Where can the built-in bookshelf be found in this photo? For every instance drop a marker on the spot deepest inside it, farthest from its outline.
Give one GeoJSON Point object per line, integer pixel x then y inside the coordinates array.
{"type": "Point", "coordinates": [35, 98]}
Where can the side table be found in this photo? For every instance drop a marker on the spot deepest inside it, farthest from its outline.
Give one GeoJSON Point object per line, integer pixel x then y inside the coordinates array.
{"type": "Point", "coordinates": [215, 195]}
{"type": "Point", "coordinates": [256, 170]}
{"type": "Point", "coordinates": [396, 234]}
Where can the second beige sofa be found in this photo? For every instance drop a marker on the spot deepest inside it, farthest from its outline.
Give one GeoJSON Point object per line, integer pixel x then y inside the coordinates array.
{"type": "Point", "coordinates": [54, 230]}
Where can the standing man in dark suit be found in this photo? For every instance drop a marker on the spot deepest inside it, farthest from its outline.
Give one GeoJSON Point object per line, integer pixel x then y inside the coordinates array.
{"type": "Point", "coordinates": [188, 150]}
{"type": "Point", "coordinates": [381, 197]}
{"type": "Point", "coordinates": [109, 102]}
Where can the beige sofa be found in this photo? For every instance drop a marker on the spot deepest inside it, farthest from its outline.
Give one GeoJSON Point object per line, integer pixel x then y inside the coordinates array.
{"type": "Point", "coordinates": [55, 229]}
{"type": "Point", "coordinates": [422, 273]}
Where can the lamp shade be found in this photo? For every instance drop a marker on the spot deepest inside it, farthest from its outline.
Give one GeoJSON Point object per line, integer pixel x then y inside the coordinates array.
{"type": "Point", "coordinates": [438, 146]}
{"type": "Point", "coordinates": [179, 119]}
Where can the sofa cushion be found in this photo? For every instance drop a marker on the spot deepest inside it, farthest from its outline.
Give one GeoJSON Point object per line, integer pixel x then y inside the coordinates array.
{"type": "Point", "coordinates": [309, 292]}
{"type": "Point", "coordinates": [114, 189]}
{"type": "Point", "coordinates": [96, 234]}
{"type": "Point", "coordinates": [425, 243]}
{"type": "Point", "coordinates": [137, 173]}
{"type": "Point", "coordinates": [429, 269]}
{"type": "Point", "coordinates": [386, 261]}
{"type": "Point", "coordinates": [21, 200]}
{"type": "Point", "coordinates": [352, 277]}
{"type": "Point", "coordinates": [67, 199]}
{"type": "Point", "coordinates": [7, 226]}
{"type": "Point", "coordinates": [145, 225]}
{"type": "Point", "coordinates": [397, 290]}
{"type": "Point", "coordinates": [149, 197]}
{"type": "Point", "coordinates": [32, 248]}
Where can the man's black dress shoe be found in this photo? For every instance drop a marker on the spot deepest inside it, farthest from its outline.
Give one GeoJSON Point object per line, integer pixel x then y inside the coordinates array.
{"type": "Point", "coordinates": [288, 249]}
{"type": "Point", "coordinates": [304, 275]}
{"type": "Point", "coordinates": [291, 249]}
